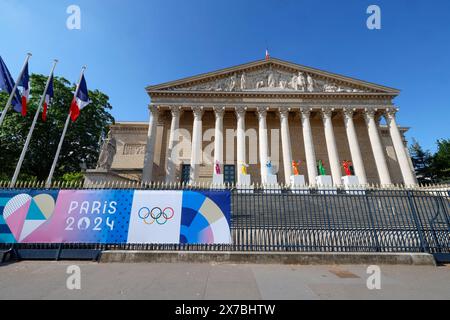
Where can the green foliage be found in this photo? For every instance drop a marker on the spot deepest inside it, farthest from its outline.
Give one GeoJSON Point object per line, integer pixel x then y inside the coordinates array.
{"type": "Point", "coordinates": [73, 177]}
{"type": "Point", "coordinates": [441, 161]}
{"type": "Point", "coordinates": [432, 168]}
{"type": "Point", "coordinates": [81, 144]}
{"type": "Point", "coordinates": [422, 162]}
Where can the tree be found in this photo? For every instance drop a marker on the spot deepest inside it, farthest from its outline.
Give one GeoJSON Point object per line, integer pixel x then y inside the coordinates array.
{"type": "Point", "coordinates": [81, 145]}
{"type": "Point", "coordinates": [441, 161]}
{"type": "Point", "coordinates": [422, 162]}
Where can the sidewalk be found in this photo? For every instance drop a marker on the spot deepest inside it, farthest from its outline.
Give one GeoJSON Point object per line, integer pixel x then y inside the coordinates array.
{"type": "Point", "coordinates": [47, 280]}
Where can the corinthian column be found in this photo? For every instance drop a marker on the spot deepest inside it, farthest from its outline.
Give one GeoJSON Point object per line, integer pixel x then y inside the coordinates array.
{"type": "Point", "coordinates": [241, 158]}
{"type": "Point", "coordinates": [263, 141]}
{"type": "Point", "coordinates": [355, 151]}
{"type": "Point", "coordinates": [197, 133]}
{"type": "Point", "coordinates": [377, 147]}
{"type": "Point", "coordinates": [309, 145]}
{"type": "Point", "coordinates": [218, 139]}
{"type": "Point", "coordinates": [286, 144]}
{"type": "Point", "coordinates": [171, 161]}
{"type": "Point", "coordinates": [408, 176]}
{"type": "Point", "coordinates": [333, 155]}
{"type": "Point", "coordinates": [147, 174]}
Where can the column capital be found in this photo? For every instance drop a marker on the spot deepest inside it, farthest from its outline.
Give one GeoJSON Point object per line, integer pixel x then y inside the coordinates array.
{"type": "Point", "coordinates": [155, 111]}
{"type": "Point", "coordinates": [198, 111]}
{"type": "Point", "coordinates": [240, 111]}
{"type": "Point", "coordinates": [369, 114]}
{"type": "Point", "coordinates": [390, 114]}
{"type": "Point", "coordinates": [176, 111]}
{"type": "Point", "coordinates": [261, 112]}
{"type": "Point", "coordinates": [219, 111]}
{"type": "Point", "coordinates": [284, 112]}
{"type": "Point", "coordinates": [348, 112]}
{"type": "Point", "coordinates": [327, 113]}
{"type": "Point", "coordinates": [305, 112]}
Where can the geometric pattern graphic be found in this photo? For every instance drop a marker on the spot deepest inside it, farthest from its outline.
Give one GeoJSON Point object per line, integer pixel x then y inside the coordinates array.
{"type": "Point", "coordinates": [115, 216]}
{"type": "Point", "coordinates": [24, 214]}
{"type": "Point", "coordinates": [205, 220]}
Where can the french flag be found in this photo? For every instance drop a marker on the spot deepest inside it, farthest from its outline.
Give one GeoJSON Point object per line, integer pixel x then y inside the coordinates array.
{"type": "Point", "coordinates": [267, 54]}
{"type": "Point", "coordinates": [25, 84]}
{"type": "Point", "coordinates": [48, 99]}
{"type": "Point", "coordinates": [80, 101]}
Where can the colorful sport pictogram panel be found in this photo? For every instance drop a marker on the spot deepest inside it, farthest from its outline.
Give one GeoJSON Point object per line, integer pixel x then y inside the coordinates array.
{"type": "Point", "coordinates": [205, 218]}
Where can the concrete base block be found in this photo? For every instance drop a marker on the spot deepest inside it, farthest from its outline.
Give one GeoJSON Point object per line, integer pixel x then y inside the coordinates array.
{"type": "Point", "coordinates": [271, 183]}
{"type": "Point", "coordinates": [217, 182]}
{"type": "Point", "coordinates": [328, 258]}
{"type": "Point", "coordinates": [244, 184]}
{"type": "Point", "coordinates": [351, 185]}
{"type": "Point", "coordinates": [325, 185]}
{"type": "Point", "coordinates": [298, 185]}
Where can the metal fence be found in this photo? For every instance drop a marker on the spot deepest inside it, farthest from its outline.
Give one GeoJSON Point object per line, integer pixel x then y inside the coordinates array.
{"type": "Point", "coordinates": [312, 220]}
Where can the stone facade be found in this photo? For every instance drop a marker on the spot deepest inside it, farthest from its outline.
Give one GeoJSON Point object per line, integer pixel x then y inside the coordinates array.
{"type": "Point", "coordinates": [227, 99]}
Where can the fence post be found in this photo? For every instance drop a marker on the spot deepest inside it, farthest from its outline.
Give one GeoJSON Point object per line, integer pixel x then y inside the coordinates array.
{"type": "Point", "coordinates": [377, 242]}
{"type": "Point", "coordinates": [419, 225]}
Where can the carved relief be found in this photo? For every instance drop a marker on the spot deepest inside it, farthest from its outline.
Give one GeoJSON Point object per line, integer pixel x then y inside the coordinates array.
{"type": "Point", "coordinates": [133, 149]}
{"type": "Point", "coordinates": [271, 79]}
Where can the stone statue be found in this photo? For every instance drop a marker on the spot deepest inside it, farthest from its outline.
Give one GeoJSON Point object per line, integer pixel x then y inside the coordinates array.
{"type": "Point", "coordinates": [269, 167]}
{"type": "Point", "coordinates": [283, 84]}
{"type": "Point", "coordinates": [330, 87]}
{"type": "Point", "coordinates": [310, 82]}
{"type": "Point", "coordinates": [260, 84]}
{"type": "Point", "coordinates": [271, 80]}
{"type": "Point", "coordinates": [233, 83]}
{"type": "Point", "coordinates": [244, 167]}
{"type": "Point", "coordinates": [298, 83]}
{"type": "Point", "coordinates": [107, 153]}
{"type": "Point", "coordinates": [295, 167]}
{"type": "Point", "coordinates": [217, 167]}
{"type": "Point", "coordinates": [322, 170]}
{"type": "Point", "coordinates": [301, 81]}
{"type": "Point", "coordinates": [243, 82]}
{"type": "Point", "coordinates": [347, 165]}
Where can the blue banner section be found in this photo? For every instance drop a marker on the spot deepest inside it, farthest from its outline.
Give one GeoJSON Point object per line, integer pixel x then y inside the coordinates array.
{"type": "Point", "coordinates": [115, 216]}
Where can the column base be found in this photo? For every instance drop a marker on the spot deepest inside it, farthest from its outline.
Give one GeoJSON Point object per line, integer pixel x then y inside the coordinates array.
{"type": "Point", "coordinates": [298, 185]}
{"type": "Point", "coordinates": [352, 186]}
{"type": "Point", "coordinates": [325, 185]}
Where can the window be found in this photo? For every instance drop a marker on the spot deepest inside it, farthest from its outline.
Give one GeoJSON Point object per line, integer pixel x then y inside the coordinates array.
{"type": "Point", "coordinates": [186, 173]}
{"type": "Point", "coordinates": [229, 174]}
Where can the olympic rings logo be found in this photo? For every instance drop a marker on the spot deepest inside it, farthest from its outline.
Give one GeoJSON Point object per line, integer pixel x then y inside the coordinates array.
{"type": "Point", "coordinates": [157, 215]}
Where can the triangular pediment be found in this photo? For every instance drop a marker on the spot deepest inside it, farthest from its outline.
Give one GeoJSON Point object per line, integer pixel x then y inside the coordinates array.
{"type": "Point", "coordinates": [272, 75]}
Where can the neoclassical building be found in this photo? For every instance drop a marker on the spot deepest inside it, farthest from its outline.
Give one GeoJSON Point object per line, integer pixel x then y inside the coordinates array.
{"type": "Point", "coordinates": [264, 111]}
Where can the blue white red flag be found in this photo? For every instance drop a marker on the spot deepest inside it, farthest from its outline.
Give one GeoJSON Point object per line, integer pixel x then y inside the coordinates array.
{"type": "Point", "coordinates": [48, 99]}
{"type": "Point", "coordinates": [25, 84]}
{"type": "Point", "coordinates": [80, 101]}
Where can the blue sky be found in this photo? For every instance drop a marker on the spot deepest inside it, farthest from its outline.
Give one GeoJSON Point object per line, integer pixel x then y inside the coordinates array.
{"type": "Point", "coordinates": [128, 45]}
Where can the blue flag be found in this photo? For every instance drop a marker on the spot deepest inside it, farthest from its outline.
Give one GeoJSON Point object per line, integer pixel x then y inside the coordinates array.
{"type": "Point", "coordinates": [7, 84]}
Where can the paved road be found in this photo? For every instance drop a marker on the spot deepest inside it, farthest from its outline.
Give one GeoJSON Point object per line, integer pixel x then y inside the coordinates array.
{"type": "Point", "coordinates": [47, 280]}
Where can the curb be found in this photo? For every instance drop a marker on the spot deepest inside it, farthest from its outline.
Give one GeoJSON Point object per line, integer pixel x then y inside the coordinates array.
{"type": "Point", "coordinates": [327, 258]}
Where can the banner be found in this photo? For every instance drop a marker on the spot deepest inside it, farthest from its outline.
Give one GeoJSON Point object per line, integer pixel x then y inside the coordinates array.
{"type": "Point", "coordinates": [115, 217]}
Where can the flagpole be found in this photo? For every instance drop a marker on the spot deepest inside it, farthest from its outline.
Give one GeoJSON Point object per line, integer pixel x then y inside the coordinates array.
{"type": "Point", "coordinates": [11, 96]}
{"type": "Point", "coordinates": [33, 125]}
{"type": "Point", "coordinates": [48, 183]}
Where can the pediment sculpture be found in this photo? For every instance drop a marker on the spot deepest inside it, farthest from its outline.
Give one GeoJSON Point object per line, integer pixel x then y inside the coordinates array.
{"type": "Point", "coordinates": [271, 80]}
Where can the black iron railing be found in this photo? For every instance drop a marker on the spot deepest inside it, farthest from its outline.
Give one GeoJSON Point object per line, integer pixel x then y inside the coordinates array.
{"type": "Point", "coordinates": [313, 220]}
